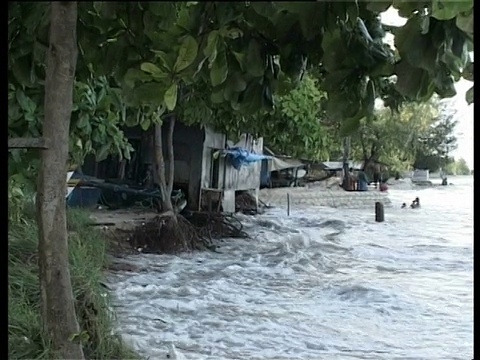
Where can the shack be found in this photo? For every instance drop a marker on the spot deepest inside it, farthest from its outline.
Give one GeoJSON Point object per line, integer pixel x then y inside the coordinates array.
{"type": "Point", "coordinates": [281, 171]}
{"type": "Point", "coordinates": [337, 166]}
{"type": "Point", "coordinates": [203, 167]}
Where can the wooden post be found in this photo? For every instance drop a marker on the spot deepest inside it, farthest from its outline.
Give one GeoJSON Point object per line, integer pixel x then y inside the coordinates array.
{"type": "Point", "coordinates": [27, 143]}
{"type": "Point", "coordinates": [346, 164]}
{"type": "Point", "coordinates": [379, 212]}
{"type": "Point", "coordinates": [288, 204]}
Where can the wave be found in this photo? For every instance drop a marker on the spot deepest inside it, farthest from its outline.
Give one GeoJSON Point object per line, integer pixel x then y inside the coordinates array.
{"type": "Point", "coordinates": [330, 284]}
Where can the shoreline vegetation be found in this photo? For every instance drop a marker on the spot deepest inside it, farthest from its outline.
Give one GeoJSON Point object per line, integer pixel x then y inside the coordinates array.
{"type": "Point", "coordinates": [88, 250]}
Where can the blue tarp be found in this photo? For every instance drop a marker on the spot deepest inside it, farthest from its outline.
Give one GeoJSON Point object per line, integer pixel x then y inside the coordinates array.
{"type": "Point", "coordinates": [239, 157]}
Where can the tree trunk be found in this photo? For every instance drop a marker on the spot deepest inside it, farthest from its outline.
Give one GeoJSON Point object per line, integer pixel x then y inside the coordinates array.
{"type": "Point", "coordinates": [171, 158]}
{"type": "Point", "coordinates": [58, 309]}
{"type": "Point", "coordinates": [165, 188]}
{"type": "Point", "coordinates": [364, 150]}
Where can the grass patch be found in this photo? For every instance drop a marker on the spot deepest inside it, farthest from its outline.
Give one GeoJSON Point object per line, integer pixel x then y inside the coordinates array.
{"type": "Point", "coordinates": [87, 261]}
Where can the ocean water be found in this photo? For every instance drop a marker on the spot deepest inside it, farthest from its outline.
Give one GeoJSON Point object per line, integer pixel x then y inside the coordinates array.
{"type": "Point", "coordinates": [323, 283]}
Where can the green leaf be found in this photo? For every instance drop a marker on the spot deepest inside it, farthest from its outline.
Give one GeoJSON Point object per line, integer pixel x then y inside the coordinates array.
{"type": "Point", "coordinates": [446, 10]}
{"type": "Point", "coordinates": [83, 120]}
{"type": "Point", "coordinates": [425, 24]}
{"type": "Point", "coordinates": [464, 22]}
{"type": "Point", "coordinates": [187, 54]}
{"type": "Point", "coordinates": [370, 99]}
{"type": "Point", "coordinates": [240, 57]}
{"type": "Point", "coordinates": [414, 47]}
{"type": "Point", "coordinates": [407, 7]}
{"type": "Point", "coordinates": [334, 51]}
{"type": "Point", "coordinates": [232, 33]}
{"type": "Point", "coordinates": [199, 67]}
{"type": "Point", "coordinates": [150, 93]}
{"type": "Point", "coordinates": [254, 62]}
{"type": "Point", "coordinates": [103, 152]}
{"type": "Point", "coordinates": [88, 145]}
{"type": "Point", "coordinates": [467, 73]}
{"type": "Point", "coordinates": [219, 70]}
{"type": "Point", "coordinates": [14, 113]}
{"type": "Point", "coordinates": [350, 125]}
{"type": "Point", "coordinates": [21, 69]}
{"type": "Point", "coordinates": [251, 99]}
{"type": "Point", "coordinates": [412, 82]}
{"type": "Point", "coordinates": [133, 75]}
{"type": "Point", "coordinates": [25, 102]}
{"type": "Point", "coordinates": [210, 50]}
{"type": "Point", "coordinates": [165, 13]}
{"type": "Point", "coordinates": [165, 59]}
{"type": "Point", "coordinates": [131, 121]}
{"type": "Point", "coordinates": [170, 97]}
{"type": "Point", "coordinates": [216, 96]}
{"type": "Point", "coordinates": [145, 123]}
{"type": "Point", "coordinates": [236, 82]}
{"type": "Point", "coordinates": [469, 96]}
{"type": "Point", "coordinates": [150, 68]}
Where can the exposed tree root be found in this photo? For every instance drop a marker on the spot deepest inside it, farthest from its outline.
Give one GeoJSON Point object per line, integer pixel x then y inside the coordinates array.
{"type": "Point", "coordinates": [169, 233]}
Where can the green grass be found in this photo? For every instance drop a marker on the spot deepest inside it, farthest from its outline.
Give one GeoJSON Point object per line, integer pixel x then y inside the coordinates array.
{"type": "Point", "coordinates": [87, 251]}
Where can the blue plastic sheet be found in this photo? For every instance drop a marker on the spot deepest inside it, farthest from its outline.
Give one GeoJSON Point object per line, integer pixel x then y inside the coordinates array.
{"type": "Point", "coordinates": [240, 157]}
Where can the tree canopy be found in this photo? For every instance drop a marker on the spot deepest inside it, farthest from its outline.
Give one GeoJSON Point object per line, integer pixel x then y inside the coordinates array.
{"type": "Point", "coordinates": [243, 51]}
{"type": "Point", "coordinates": [235, 64]}
{"type": "Point", "coordinates": [436, 145]}
{"type": "Point", "coordinates": [420, 135]}
{"type": "Point", "coordinates": [458, 167]}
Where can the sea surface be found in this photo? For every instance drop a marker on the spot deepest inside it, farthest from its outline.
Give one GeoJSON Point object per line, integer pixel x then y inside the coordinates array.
{"type": "Point", "coordinates": [322, 283]}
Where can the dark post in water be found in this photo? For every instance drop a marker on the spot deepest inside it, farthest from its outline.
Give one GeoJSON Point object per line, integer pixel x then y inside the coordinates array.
{"type": "Point", "coordinates": [288, 204]}
{"type": "Point", "coordinates": [379, 213]}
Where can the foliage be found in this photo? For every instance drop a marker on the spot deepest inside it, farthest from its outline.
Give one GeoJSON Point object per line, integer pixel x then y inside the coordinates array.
{"type": "Point", "coordinates": [87, 259]}
{"type": "Point", "coordinates": [97, 118]}
{"type": "Point", "coordinates": [457, 167]}
{"type": "Point", "coordinates": [237, 56]}
{"type": "Point", "coordinates": [437, 143]}
{"type": "Point", "coordinates": [462, 167]}
{"type": "Point", "coordinates": [397, 138]}
{"type": "Point", "coordinates": [230, 64]}
{"type": "Point", "coordinates": [99, 112]}
{"type": "Point", "coordinates": [242, 53]}
{"type": "Point", "coordinates": [297, 126]}
{"type": "Point", "coordinates": [16, 198]}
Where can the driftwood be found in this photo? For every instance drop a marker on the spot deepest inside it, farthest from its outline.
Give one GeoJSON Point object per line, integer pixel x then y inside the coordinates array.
{"type": "Point", "coordinates": [27, 143]}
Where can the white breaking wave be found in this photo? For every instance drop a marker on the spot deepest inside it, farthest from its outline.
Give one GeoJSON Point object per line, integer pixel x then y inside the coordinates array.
{"type": "Point", "coordinates": [321, 284]}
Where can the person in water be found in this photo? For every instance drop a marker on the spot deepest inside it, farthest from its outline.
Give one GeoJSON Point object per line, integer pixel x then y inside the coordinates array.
{"type": "Point", "coordinates": [383, 186]}
{"type": "Point", "coordinates": [415, 203]}
{"type": "Point", "coordinates": [404, 205]}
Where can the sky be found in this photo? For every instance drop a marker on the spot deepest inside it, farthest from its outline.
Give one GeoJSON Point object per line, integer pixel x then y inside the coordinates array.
{"type": "Point", "coordinates": [464, 114]}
